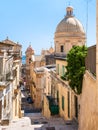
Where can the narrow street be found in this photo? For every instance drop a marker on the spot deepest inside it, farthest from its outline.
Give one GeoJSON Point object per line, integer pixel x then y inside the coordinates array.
{"type": "Point", "coordinates": [33, 120]}
{"type": "Point", "coordinates": [50, 124]}
{"type": "Point", "coordinates": [25, 105]}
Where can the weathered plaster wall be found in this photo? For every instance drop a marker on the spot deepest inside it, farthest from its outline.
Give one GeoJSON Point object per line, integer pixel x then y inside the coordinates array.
{"type": "Point", "coordinates": [45, 110]}
{"type": "Point", "coordinates": [88, 104]}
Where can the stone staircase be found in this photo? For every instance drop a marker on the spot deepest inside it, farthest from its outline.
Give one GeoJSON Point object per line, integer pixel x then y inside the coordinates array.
{"type": "Point", "coordinates": [23, 123]}
{"type": "Point", "coordinates": [36, 121]}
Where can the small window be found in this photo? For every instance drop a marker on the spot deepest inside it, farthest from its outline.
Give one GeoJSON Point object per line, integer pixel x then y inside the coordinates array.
{"type": "Point", "coordinates": [68, 96]}
{"type": "Point", "coordinates": [62, 48]}
{"type": "Point", "coordinates": [57, 96]}
{"type": "Point", "coordinates": [62, 102]}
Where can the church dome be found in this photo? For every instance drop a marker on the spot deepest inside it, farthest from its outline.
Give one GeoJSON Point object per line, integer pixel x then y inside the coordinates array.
{"type": "Point", "coordinates": [69, 32]}
{"type": "Point", "coordinates": [70, 23]}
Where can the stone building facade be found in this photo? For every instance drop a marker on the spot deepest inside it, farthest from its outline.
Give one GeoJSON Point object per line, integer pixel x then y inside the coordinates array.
{"type": "Point", "coordinates": [88, 111]}
{"type": "Point", "coordinates": [34, 74]}
{"type": "Point", "coordinates": [89, 108]}
{"type": "Point", "coordinates": [29, 66]}
{"type": "Point", "coordinates": [10, 73]}
{"type": "Point", "coordinates": [69, 32]}
{"type": "Point", "coordinates": [62, 100]}
{"type": "Point", "coordinates": [37, 87]}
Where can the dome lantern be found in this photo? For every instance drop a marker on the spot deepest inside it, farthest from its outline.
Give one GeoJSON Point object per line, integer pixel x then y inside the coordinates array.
{"type": "Point", "coordinates": [69, 11]}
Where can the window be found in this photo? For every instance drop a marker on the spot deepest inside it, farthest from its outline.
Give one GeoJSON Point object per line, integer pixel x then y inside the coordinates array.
{"type": "Point", "coordinates": [68, 94]}
{"type": "Point", "coordinates": [57, 68]}
{"type": "Point", "coordinates": [62, 102]}
{"type": "Point", "coordinates": [76, 106]}
{"type": "Point", "coordinates": [62, 48]}
{"type": "Point", "coordinates": [63, 70]}
{"type": "Point", "coordinates": [57, 96]}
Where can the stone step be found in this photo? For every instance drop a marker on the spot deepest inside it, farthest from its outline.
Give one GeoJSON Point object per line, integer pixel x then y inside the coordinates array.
{"type": "Point", "coordinates": [23, 127]}
{"type": "Point", "coordinates": [20, 124]}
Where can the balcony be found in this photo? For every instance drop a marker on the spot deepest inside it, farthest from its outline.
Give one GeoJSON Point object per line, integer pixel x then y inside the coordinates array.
{"type": "Point", "coordinates": [53, 106]}
{"type": "Point", "coordinates": [60, 54]}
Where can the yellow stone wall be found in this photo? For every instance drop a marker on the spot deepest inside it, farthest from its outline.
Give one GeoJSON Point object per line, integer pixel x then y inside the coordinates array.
{"type": "Point", "coordinates": [60, 63]}
{"type": "Point", "coordinates": [89, 109]}
{"type": "Point", "coordinates": [33, 86]}
{"type": "Point", "coordinates": [16, 92]}
{"type": "Point", "coordinates": [63, 92]}
{"type": "Point", "coordinates": [45, 110]}
{"type": "Point", "coordinates": [65, 39]}
{"type": "Point", "coordinates": [47, 82]}
{"type": "Point", "coordinates": [16, 104]}
{"type": "Point", "coordinates": [63, 88]}
{"type": "Point", "coordinates": [36, 90]}
{"type": "Point", "coordinates": [38, 101]}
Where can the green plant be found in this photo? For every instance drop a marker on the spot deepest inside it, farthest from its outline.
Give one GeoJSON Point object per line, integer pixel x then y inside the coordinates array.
{"type": "Point", "coordinates": [76, 67]}
{"type": "Point", "coordinates": [63, 77]}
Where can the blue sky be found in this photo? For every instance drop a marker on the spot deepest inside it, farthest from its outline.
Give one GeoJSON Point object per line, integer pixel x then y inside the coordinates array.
{"type": "Point", "coordinates": [34, 21]}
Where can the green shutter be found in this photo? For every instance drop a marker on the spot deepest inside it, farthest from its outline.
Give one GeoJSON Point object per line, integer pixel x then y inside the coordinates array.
{"type": "Point", "coordinates": [63, 102]}
{"type": "Point", "coordinates": [57, 96]}
{"type": "Point", "coordinates": [68, 104]}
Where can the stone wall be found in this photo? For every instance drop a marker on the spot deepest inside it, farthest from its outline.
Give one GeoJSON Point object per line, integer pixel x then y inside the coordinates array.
{"type": "Point", "coordinates": [88, 104]}
{"type": "Point", "coordinates": [60, 63]}
{"type": "Point", "coordinates": [90, 60]}
{"type": "Point", "coordinates": [63, 93]}
{"type": "Point", "coordinates": [45, 110]}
